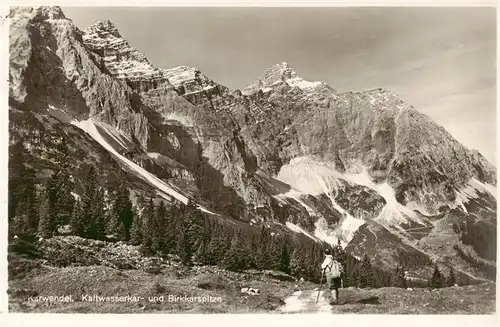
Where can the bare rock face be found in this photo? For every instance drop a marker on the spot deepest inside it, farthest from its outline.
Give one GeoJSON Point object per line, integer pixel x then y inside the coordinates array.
{"type": "Point", "coordinates": [61, 76]}
{"type": "Point", "coordinates": [121, 60]}
{"type": "Point", "coordinates": [360, 167]}
{"type": "Point", "coordinates": [373, 130]}
{"type": "Point", "coordinates": [281, 75]}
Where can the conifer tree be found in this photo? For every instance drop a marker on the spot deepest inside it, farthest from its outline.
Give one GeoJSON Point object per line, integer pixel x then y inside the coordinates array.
{"type": "Point", "coordinates": [136, 229]}
{"type": "Point", "coordinates": [388, 280]}
{"type": "Point", "coordinates": [195, 222]}
{"type": "Point", "coordinates": [199, 255]}
{"type": "Point", "coordinates": [113, 224]}
{"type": "Point", "coordinates": [17, 169]}
{"type": "Point", "coordinates": [170, 228]}
{"type": "Point", "coordinates": [350, 266]}
{"type": "Point", "coordinates": [236, 259]}
{"type": "Point", "coordinates": [23, 202]}
{"type": "Point", "coordinates": [216, 248]}
{"type": "Point", "coordinates": [123, 210]}
{"type": "Point", "coordinates": [201, 245]}
{"type": "Point", "coordinates": [284, 263]}
{"type": "Point", "coordinates": [366, 273]}
{"type": "Point", "coordinates": [148, 219]}
{"type": "Point", "coordinates": [97, 228]}
{"type": "Point", "coordinates": [184, 245]}
{"type": "Point", "coordinates": [92, 217]}
{"type": "Point", "coordinates": [190, 226]}
{"type": "Point", "coordinates": [275, 251]}
{"type": "Point", "coordinates": [253, 247]}
{"type": "Point", "coordinates": [400, 278]}
{"type": "Point", "coordinates": [264, 259]}
{"type": "Point", "coordinates": [77, 219]}
{"type": "Point", "coordinates": [341, 255]}
{"type": "Point", "coordinates": [159, 228]}
{"type": "Point", "coordinates": [297, 266]}
{"type": "Point", "coordinates": [46, 223]}
{"type": "Point", "coordinates": [451, 281]}
{"type": "Point", "coordinates": [309, 262]}
{"type": "Point", "coordinates": [437, 280]}
{"type": "Point", "coordinates": [60, 186]}
{"type": "Point", "coordinates": [356, 280]}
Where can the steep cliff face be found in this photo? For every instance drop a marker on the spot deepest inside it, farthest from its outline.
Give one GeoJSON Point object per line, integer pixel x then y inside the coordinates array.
{"type": "Point", "coordinates": [365, 168]}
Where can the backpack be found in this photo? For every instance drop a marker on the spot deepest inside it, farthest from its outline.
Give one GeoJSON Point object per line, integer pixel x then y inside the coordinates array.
{"type": "Point", "coordinates": [336, 269]}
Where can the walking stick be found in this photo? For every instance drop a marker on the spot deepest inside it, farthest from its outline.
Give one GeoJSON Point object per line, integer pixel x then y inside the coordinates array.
{"type": "Point", "coordinates": [320, 284]}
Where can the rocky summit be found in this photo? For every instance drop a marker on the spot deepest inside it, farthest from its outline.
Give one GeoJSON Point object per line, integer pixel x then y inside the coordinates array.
{"type": "Point", "coordinates": [365, 169]}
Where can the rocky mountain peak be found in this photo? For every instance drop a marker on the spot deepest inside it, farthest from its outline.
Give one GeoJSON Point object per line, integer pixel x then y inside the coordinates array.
{"type": "Point", "coordinates": [279, 74]}
{"type": "Point", "coordinates": [122, 60]}
{"type": "Point", "coordinates": [189, 79]}
{"type": "Point", "coordinates": [103, 29]}
{"type": "Point", "coordinates": [279, 71]}
{"type": "Point", "coordinates": [38, 12]}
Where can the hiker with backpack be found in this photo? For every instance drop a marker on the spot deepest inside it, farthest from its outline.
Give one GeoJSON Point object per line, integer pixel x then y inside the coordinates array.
{"type": "Point", "coordinates": [333, 270]}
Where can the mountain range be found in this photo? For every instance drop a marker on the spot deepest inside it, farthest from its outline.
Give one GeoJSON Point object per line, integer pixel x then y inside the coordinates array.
{"type": "Point", "coordinates": [363, 168]}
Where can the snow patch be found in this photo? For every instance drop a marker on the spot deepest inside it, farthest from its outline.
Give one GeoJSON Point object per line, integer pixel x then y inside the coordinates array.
{"type": "Point", "coordinates": [298, 229]}
{"type": "Point", "coordinates": [391, 215]}
{"type": "Point", "coordinates": [308, 176]}
{"type": "Point", "coordinates": [483, 187]}
{"type": "Point", "coordinates": [119, 137]}
{"type": "Point", "coordinates": [154, 155]}
{"type": "Point", "coordinates": [470, 191]}
{"type": "Point", "coordinates": [51, 107]}
{"type": "Point", "coordinates": [418, 207]}
{"type": "Point", "coordinates": [181, 75]}
{"type": "Point", "coordinates": [89, 126]}
{"type": "Point", "coordinates": [206, 88]}
{"type": "Point", "coordinates": [348, 228]}
{"type": "Point", "coordinates": [301, 83]}
{"type": "Point", "coordinates": [326, 234]}
{"type": "Point", "coordinates": [393, 212]}
{"type": "Point", "coordinates": [179, 118]}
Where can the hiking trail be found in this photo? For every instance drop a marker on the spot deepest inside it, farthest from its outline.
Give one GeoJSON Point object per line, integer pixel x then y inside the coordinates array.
{"type": "Point", "coordinates": [305, 302]}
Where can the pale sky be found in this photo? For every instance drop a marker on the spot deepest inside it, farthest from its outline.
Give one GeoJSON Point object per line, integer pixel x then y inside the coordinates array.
{"type": "Point", "coordinates": [440, 60]}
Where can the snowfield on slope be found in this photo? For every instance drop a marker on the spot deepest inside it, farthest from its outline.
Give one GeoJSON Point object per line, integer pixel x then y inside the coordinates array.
{"type": "Point", "coordinates": [307, 176]}
{"type": "Point", "coordinates": [299, 229]}
{"type": "Point", "coordinates": [313, 177]}
{"type": "Point", "coordinates": [89, 126]}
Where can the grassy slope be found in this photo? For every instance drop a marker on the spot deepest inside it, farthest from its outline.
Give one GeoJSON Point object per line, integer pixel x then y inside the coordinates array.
{"type": "Point", "coordinates": [106, 281]}
{"type": "Point", "coordinates": [473, 299]}
{"type": "Point", "coordinates": [31, 275]}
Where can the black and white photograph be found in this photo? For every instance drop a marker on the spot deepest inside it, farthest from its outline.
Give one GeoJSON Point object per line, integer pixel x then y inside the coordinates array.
{"type": "Point", "coordinates": [251, 160]}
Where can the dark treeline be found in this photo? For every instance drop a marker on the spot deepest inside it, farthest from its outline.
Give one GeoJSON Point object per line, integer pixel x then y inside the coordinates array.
{"type": "Point", "coordinates": [104, 212]}
{"type": "Point", "coordinates": [101, 211]}
{"type": "Point", "coordinates": [488, 269]}
{"type": "Point", "coordinates": [481, 235]}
